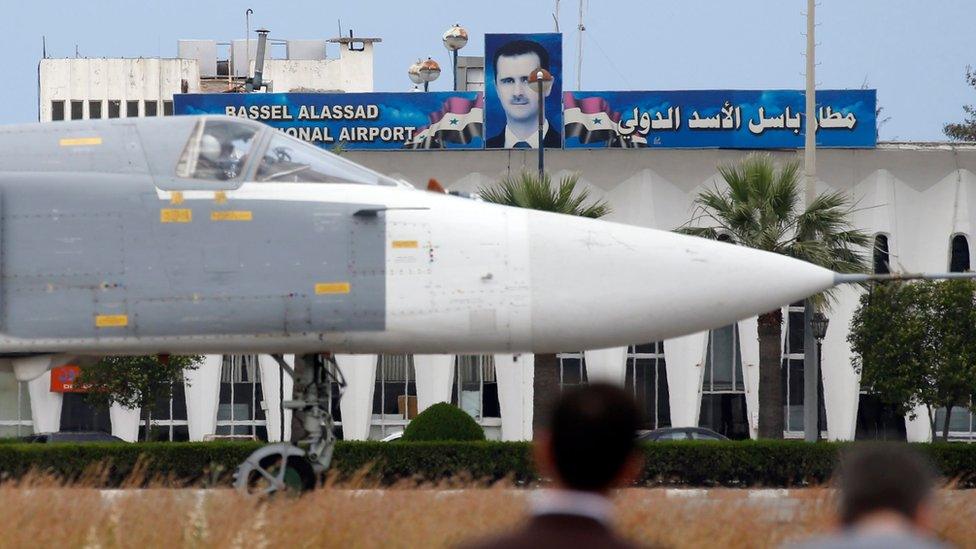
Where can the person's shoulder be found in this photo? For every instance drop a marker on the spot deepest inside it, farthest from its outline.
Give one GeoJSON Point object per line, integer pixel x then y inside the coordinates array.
{"type": "Point", "coordinates": [552, 531]}
{"type": "Point", "coordinates": [553, 138]}
{"type": "Point", "coordinates": [862, 541]}
{"type": "Point", "coordinates": [496, 141]}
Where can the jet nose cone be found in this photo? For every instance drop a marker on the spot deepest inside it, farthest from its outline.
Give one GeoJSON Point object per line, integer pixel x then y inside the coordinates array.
{"type": "Point", "coordinates": [597, 284]}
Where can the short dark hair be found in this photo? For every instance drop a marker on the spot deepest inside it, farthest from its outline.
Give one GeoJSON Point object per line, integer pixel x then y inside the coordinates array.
{"type": "Point", "coordinates": [593, 430]}
{"type": "Point", "coordinates": [882, 476]}
{"type": "Point", "coordinates": [521, 47]}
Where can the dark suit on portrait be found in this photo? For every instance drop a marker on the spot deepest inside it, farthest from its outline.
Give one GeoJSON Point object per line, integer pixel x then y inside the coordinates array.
{"type": "Point", "coordinates": [557, 531]}
{"type": "Point", "coordinates": [551, 140]}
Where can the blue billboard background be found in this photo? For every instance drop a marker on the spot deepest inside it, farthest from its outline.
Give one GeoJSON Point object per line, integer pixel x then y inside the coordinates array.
{"type": "Point", "coordinates": [495, 117]}
{"type": "Point", "coordinates": [738, 119]}
{"type": "Point", "coordinates": [434, 120]}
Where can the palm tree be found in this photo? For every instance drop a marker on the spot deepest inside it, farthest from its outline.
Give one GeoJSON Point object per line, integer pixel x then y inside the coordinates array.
{"type": "Point", "coordinates": [761, 209]}
{"type": "Point", "coordinates": [535, 191]}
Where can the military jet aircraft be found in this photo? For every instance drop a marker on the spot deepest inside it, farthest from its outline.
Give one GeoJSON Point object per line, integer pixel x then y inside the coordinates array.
{"type": "Point", "coordinates": [215, 234]}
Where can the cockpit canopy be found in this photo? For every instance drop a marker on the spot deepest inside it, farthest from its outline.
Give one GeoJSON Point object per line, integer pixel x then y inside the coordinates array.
{"type": "Point", "coordinates": [225, 149]}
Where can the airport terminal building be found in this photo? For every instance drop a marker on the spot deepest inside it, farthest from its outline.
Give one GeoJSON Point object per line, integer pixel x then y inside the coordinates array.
{"type": "Point", "coordinates": [918, 200]}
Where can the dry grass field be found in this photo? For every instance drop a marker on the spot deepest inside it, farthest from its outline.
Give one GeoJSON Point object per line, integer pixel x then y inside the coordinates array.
{"type": "Point", "coordinates": [41, 514]}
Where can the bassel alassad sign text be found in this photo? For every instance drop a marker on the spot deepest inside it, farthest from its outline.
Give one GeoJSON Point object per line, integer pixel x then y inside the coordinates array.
{"type": "Point", "coordinates": [735, 119]}
{"type": "Point", "coordinates": [434, 120]}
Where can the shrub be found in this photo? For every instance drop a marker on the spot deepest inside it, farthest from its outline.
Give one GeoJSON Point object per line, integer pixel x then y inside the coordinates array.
{"type": "Point", "coordinates": [442, 422]}
{"type": "Point", "coordinates": [677, 463]}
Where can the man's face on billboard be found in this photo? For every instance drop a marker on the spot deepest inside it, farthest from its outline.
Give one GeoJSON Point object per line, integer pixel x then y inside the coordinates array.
{"type": "Point", "coordinates": [512, 84]}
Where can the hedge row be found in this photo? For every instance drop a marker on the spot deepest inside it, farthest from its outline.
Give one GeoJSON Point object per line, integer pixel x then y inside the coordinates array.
{"type": "Point", "coordinates": [748, 463]}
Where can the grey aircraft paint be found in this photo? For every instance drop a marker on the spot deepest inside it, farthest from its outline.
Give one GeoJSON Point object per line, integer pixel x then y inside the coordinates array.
{"type": "Point", "coordinates": [90, 251]}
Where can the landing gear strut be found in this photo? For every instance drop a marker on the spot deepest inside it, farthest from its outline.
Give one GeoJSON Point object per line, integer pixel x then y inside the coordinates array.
{"type": "Point", "coordinates": [284, 467]}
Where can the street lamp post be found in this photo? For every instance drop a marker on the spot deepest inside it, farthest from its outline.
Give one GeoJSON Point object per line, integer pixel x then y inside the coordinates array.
{"type": "Point", "coordinates": [540, 81]}
{"type": "Point", "coordinates": [454, 39]}
{"type": "Point", "coordinates": [818, 329]}
{"type": "Point", "coordinates": [429, 71]}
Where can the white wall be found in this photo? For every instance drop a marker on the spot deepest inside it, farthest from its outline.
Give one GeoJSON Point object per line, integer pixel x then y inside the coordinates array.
{"type": "Point", "coordinates": [113, 79]}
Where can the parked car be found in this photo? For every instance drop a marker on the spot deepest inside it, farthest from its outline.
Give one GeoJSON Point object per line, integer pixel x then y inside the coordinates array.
{"type": "Point", "coordinates": [680, 433]}
{"type": "Point", "coordinates": [73, 436]}
{"type": "Point", "coordinates": [392, 436]}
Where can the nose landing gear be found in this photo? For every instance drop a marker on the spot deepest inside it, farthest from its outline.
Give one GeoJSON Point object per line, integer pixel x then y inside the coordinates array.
{"type": "Point", "coordinates": [284, 467]}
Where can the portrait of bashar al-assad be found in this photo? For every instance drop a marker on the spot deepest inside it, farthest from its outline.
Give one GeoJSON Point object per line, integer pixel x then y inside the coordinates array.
{"type": "Point", "coordinates": [512, 64]}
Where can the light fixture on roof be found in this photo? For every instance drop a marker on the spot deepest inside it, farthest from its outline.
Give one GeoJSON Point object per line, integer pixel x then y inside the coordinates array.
{"type": "Point", "coordinates": [429, 71]}
{"type": "Point", "coordinates": [454, 39]}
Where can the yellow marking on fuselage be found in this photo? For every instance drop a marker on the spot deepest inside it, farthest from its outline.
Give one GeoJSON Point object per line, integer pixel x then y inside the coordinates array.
{"type": "Point", "coordinates": [172, 215]}
{"type": "Point", "coordinates": [332, 288]}
{"type": "Point", "coordinates": [405, 244]}
{"type": "Point", "coordinates": [111, 321]}
{"type": "Point", "coordinates": [220, 197]}
{"type": "Point", "coordinates": [79, 141]}
{"type": "Point", "coordinates": [176, 197]}
{"type": "Point", "coordinates": [231, 215]}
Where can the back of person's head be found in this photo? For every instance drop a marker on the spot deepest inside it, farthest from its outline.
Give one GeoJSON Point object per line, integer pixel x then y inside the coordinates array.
{"type": "Point", "coordinates": [883, 477]}
{"type": "Point", "coordinates": [591, 436]}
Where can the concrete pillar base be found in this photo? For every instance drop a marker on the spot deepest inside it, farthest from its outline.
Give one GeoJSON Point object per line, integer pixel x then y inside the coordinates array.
{"type": "Point", "coordinates": [356, 405]}
{"type": "Point", "coordinates": [271, 379]}
{"type": "Point", "coordinates": [515, 374]}
{"type": "Point", "coordinates": [202, 393]}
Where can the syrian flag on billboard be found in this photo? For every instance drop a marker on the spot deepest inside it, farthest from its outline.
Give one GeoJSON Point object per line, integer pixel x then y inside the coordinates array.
{"type": "Point", "coordinates": [459, 121]}
{"type": "Point", "coordinates": [589, 119]}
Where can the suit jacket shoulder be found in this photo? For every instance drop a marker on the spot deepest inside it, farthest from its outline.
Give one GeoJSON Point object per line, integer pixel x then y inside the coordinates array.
{"type": "Point", "coordinates": [557, 531]}
{"type": "Point", "coordinates": [553, 138]}
{"type": "Point", "coordinates": [496, 141]}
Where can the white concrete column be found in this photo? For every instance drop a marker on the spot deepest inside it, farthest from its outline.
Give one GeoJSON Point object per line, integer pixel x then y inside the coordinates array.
{"type": "Point", "coordinates": [514, 374]}
{"type": "Point", "coordinates": [202, 392]}
{"type": "Point", "coordinates": [918, 429]}
{"type": "Point", "coordinates": [840, 381]}
{"type": "Point", "coordinates": [684, 360]}
{"type": "Point", "coordinates": [435, 376]}
{"type": "Point", "coordinates": [45, 404]}
{"type": "Point", "coordinates": [32, 367]}
{"type": "Point", "coordinates": [749, 349]}
{"type": "Point", "coordinates": [356, 405]}
{"type": "Point", "coordinates": [272, 378]}
{"type": "Point", "coordinates": [125, 422]}
{"type": "Point", "coordinates": [607, 365]}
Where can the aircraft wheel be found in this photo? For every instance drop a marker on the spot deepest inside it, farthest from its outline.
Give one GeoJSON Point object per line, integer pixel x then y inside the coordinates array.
{"type": "Point", "coordinates": [278, 468]}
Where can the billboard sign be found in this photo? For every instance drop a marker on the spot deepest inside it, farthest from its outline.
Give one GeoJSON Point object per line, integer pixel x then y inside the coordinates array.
{"type": "Point", "coordinates": [731, 119]}
{"type": "Point", "coordinates": [434, 120]}
{"type": "Point", "coordinates": [511, 106]}
{"type": "Point", "coordinates": [63, 380]}
{"type": "Point", "coordinates": [734, 119]}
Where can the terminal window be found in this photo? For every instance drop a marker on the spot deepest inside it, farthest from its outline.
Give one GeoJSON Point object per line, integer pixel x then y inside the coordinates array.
{"type": "Point", "coordinates": [131, 109]}
{"type": "Point", "coordinates": [114, 108]}
{"type": "Point", "coordinates": [94, 110]}
{"type": "Point", "coordinates": [77, 110]}
{"type": "Point", "coordinates": [151, 108]}
{"type": "Point", "coordinates": [57, 110]}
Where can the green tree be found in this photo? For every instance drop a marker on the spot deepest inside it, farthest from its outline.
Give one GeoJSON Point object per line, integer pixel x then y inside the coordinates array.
{"type": "Point", "coordinates": [135, 381]}
{"type": "Point", "coordinates": [761, 208]}
{"type": "Point", "coordinates": [915, 345]}
{"type": "Point", "coordinates": [529, 190]}
{"type": "Point", "coordinates": [965, 130]}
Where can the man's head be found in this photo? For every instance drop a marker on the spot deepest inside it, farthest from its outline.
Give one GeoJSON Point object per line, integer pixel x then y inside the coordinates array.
{"type": "Point", "coordinates": [884, 478]}
{"type": "Point", "coordinates": [590, 444]}
{"type": "Point", "coordinates": [513, 62]}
